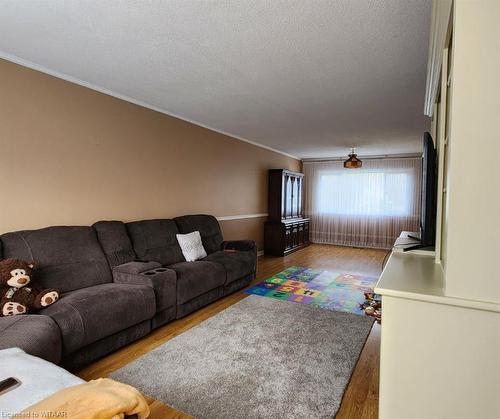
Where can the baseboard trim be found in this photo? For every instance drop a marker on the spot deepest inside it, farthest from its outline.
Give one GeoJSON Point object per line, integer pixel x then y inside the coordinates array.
{"type": "Point", "coordinates": [260, 253]}
{"type": "Point", "coordinates": [241, 217]}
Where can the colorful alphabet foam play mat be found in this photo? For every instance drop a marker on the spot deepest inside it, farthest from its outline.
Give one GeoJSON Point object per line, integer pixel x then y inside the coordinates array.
{"type": "Point", "coordinates": [326, 289]}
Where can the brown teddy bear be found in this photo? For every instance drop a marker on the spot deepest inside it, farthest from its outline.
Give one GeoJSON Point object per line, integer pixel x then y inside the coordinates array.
{"type": "Point", "coordinates": [16, 297]}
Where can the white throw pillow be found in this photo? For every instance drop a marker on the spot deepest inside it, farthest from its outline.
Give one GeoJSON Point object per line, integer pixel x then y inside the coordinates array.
{"type": "Point", "coordinates": [191, 246]}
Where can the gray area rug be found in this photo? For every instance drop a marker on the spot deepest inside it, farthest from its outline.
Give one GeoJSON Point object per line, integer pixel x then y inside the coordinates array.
{"type": "Point", "coordinates": [260, 358]}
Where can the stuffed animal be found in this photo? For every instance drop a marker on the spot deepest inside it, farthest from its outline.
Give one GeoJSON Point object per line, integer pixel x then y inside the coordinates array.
{"type": "Point", "coordinates": [19, 294]}
{"type": "Point", "coordinates": [372, 306]}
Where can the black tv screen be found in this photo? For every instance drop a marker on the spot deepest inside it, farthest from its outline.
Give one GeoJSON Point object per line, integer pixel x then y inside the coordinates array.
{"type": "Point", "coordinates": [429, 193]}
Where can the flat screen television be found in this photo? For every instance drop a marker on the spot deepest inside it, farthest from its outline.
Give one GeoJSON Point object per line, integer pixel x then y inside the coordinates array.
{"type": "Point", "coordinates": [429, 195]}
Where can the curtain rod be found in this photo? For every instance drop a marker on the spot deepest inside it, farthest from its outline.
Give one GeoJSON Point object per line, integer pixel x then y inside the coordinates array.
{"type": "Point", "coordinates": [378, 157]}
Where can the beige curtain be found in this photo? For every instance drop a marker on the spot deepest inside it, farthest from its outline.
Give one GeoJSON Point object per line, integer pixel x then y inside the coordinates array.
{"type": "Point", "coordinates": [367, 207]}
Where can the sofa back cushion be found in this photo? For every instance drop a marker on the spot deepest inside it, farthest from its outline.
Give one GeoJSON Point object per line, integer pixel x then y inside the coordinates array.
{"type": "Point", "coordinates": [155, 240]}
{"type": "Point", "coordinates": [66, 258]}
{"type": "Point", "coordinates": [115, 242]}
{"type": "Point", "coordinates": [207, 225]}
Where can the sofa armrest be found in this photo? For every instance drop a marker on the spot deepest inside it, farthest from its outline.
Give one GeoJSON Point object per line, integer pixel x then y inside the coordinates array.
{"type": "Point", "coordinates": [162, 280]}
{"type": "Point", "coordinates": [36, 334]}
{"type": "Point", "coordinates": [135, 267]}
{"type": "Point", "coordinates": [140, 273]}
{"type": "Point", "coordinates": [239, 245]}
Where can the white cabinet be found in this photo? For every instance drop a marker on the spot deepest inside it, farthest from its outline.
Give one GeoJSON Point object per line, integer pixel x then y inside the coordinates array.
{"type": "Point", "coordinates": [440, 356]}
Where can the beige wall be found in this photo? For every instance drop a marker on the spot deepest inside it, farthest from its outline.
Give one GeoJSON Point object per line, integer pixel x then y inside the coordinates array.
{"type": "Point", "coordinates": [251, 227]}
{"type": "Point", "coordinates": [70, 155]}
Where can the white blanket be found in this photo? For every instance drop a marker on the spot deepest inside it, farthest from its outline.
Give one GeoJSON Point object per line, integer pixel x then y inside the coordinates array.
{"type": "Point", "coordinates": [39, 379]}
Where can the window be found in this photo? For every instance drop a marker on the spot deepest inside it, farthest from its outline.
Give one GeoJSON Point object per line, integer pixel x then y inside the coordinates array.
{"type": "Point", "coordinates": [374, 192]}
{"type": "Point", "coordinates": [370, 206]}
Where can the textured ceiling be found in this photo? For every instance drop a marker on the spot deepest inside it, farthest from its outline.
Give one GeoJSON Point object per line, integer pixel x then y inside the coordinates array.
{"type": "Point", "coordinates": [307, 77]}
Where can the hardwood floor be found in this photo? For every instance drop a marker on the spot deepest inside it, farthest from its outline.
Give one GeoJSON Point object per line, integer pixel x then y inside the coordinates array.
{"type": "Point", "coordinates": [361, 397]}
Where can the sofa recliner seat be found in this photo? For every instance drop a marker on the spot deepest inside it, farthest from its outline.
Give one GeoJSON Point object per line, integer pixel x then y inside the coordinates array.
{"type": "Point", "coordinates": [89, 314]}
{"type": "Point", "coordinates": [197, 278]}
{"type": "Point", "coordinates": [239, 257]}
{"type": "Point", "coordinates": [237, 264]}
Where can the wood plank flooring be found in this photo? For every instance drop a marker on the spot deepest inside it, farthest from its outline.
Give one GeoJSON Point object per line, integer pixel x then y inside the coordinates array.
{"type": "Point", "coordinates": [361, 397]}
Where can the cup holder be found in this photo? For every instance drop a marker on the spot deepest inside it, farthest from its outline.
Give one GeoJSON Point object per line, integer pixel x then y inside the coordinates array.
{"type": "Point", "coordinates": [155, 271]}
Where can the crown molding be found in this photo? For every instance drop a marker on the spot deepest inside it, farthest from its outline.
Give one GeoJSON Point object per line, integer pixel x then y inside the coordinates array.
{"type": "Point", "coordinates": [25, 63]}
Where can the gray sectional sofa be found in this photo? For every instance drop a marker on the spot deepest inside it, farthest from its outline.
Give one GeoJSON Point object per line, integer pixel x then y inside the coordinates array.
{"type": "Point", "coordinates": [118, 281]}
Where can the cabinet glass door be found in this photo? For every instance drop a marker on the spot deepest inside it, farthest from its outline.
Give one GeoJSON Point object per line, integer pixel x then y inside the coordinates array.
{"type": "Point", "coordinates": [288, 196]}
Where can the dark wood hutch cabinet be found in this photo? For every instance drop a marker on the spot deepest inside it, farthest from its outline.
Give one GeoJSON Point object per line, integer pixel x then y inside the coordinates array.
{"type": "Point", "coordinates": [286, 229]}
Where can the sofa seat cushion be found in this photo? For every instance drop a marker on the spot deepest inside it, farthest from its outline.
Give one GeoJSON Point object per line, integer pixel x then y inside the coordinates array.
{"type": "Point", "coordinates": [236, 264]}
{"type": "Point", "coordinates": [197, 278]}
{"type": "Point", "coordinates": [35, 334]}
{"type": "Point", "coordinates": [89, 314]}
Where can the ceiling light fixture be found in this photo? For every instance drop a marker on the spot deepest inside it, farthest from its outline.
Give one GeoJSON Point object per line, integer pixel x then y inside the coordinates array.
{"type": "Point", "coordinates": [353, 162]}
